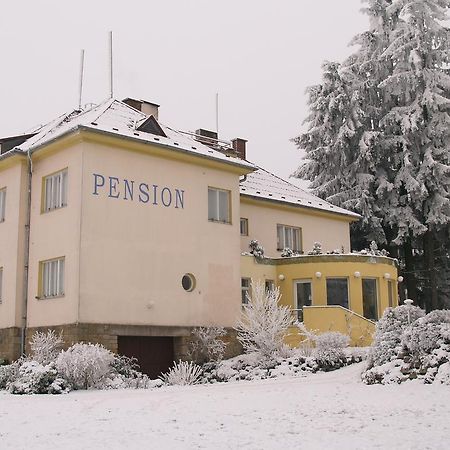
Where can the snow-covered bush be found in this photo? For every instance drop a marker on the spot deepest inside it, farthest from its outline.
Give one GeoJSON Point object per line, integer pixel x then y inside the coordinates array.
{"type": "Point", "coordinates": [256, 249]}
{"type": "Point", "coordinates": [329, 349]}
{"type": "Point", "coordinates": [35, 378]}
{"type": "Point", "coordinates": [264, 323]}
{"type": "Point", "coordinates": [45, 346]}
{"type": "Point", "coordinates": [388, 332]}
{"type": "Point", "coordinates": [421, 351]}
{"type": "Point", "coordinates": [85, 366]}
{"type": "Point", "coordinates": [8, 373]}
{"type": "Point", "coordinates": [317, 249]}
{"type": "Point", "coordinates": [208, 345]}
{"type": "Point", "coordinates": [182, 373]}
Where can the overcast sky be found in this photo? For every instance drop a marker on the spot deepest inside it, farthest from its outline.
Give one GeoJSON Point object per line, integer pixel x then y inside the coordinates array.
{"type": "Point", "coordinates": [258, 55]}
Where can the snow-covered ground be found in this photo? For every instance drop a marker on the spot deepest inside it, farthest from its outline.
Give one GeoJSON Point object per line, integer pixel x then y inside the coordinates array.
{"type": "Point", "coordinates": [319, 411]}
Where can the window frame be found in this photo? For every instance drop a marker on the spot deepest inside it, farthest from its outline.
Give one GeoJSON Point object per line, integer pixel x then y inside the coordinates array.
{"type": "Point", "coordinates": [245, 290]}
{"type": "Point", "coordinates": [2, 204]}
{"type": "Point", "coordinates": [299, 310]}
{"type": "Point", "coordinates": [377, 297]}
{"type": "Point", "coordinates": [281, 238]}
{"type": "Point", "coordinates": [54, 203]}
{"type": "Point", "coordinates": [243, 220]}
{"type": "Point", "coordinates": [43, 289]}
{"type": "Point", "coordinates": [216, 218]}
{"type": "Point", "coordinates": [348, 291]}
{"type": "Point", "coordinates": [391, 290]}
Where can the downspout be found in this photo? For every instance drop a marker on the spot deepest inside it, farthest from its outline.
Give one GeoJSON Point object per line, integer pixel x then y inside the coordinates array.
{"type": "Point", "coordinates": [26, 255]}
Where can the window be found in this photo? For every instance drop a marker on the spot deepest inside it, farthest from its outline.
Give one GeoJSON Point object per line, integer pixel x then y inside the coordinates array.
{"type": "Point", "coordinates": [188, 282]}
{"type": "Point", "coordinates": [390, 285]}
{"type": "Point", "coordinates": [303, 296]}
{"type": "Point", "coordinates": [244, 227]}
{"type": "Point", "coordinates": [370, 298]}
{"type": "Point", "coordinates": [245, 290]}
{"type": "Point", "coordinates": [55, 191]}
{"type": "Point", "coordinates": [289, 237]}
{"type": "Point", "coordinates": [337, 291]}
{"type": "Point", "coordinates": [2, 204]}
{"type": "Point", "coordinates": [1, 284]}
{"type": "Point", "coordinates": [219, 205]}
{"type": "Point", "coordinates": [269, 285]}
{"type": "Point", "coordinates": [52, 278]}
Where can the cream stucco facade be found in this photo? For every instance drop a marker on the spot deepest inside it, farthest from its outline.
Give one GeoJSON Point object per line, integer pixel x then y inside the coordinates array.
{"type": "Point", "coordinates": [138, 217]}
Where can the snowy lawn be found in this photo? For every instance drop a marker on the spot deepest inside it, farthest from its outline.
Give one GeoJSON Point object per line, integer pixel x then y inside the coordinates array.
{"type": "Point", "coordinates": [318, 411]}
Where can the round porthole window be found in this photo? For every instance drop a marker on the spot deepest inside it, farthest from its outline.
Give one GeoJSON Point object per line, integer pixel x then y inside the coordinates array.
{"type": "Point", "coordinates": [188, 282]}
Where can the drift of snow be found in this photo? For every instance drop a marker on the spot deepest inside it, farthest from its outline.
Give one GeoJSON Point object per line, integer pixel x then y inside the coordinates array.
{"type": "Point", "coordinates": [331, 410]}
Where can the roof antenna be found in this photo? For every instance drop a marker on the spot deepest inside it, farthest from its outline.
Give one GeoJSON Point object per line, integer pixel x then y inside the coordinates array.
{"type": "Point", "coordinates": [111, 92]}
{"type": "Point", "coordinates": [217, 114]}
{"type": "Point", "coordinates": [81, 79]}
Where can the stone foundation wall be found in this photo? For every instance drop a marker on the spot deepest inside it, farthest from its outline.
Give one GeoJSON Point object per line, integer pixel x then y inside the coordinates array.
{"type": "Point", "coordinates": [106, 335]}
{"type": "Point", "coordinates": [10, 343]}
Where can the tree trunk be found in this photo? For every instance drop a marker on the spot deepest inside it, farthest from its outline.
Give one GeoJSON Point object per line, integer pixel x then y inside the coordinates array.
{"type": "Point", "coordinates": [411, 281]}
{"type": "Point", "coordinates": [431, 294]}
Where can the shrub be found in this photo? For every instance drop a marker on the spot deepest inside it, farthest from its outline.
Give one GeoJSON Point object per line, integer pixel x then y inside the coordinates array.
{"type": "Point", "coordinates": [388, 332]}
{"type": "Point", "coordinates": [208, 346]}
{"type": "Point", "coordinates": [35, 378]}
{"type": "Point", "coordinates": [45, 346]}
{"type": "Point", "coordinates": [264, 323]}
{"type": "Point", "coordinates": [423, 351]}
{"type": "Point", "coordinates": [85, 366]}
{"type": "Point", "coordinates": [329, 349]}
{"type": "Point", "coordinates": [182, 373]}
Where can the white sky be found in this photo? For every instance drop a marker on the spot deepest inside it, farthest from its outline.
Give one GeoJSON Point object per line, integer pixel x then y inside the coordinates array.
{"type": "Point", "coordinates": [258, 55]}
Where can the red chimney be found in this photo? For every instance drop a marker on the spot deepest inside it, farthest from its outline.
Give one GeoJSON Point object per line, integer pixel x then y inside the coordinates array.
{"type": "Point", "coordinates": [239, 147]}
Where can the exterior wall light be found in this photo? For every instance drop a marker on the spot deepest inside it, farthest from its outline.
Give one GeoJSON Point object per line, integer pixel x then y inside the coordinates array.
{"type": "Point", "coordinates": [387, 276]}
{"type": "Point", "coordinates": [400, 279]}
{"type": "Point", "coordinates": [318, 274]}
{"type": "Point", "coordinates": [281, 277]}
{"type": "Point", "coordinates": [357, 274]}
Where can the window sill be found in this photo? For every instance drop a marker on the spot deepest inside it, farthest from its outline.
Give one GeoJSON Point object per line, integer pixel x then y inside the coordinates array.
{"type": "Point", "coordinates": [53, 209]}
{"type": "Point", "coordinates": [219, 221]}
{"type": "Point", "coordinates": [50, 297]}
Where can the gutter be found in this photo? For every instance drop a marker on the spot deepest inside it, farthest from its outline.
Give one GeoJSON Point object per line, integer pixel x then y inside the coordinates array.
{"type": "Point", "coordinates": [23, 329]}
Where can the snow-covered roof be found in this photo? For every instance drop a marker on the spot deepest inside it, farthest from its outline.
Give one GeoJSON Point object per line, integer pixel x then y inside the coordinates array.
{"type": "Point", "coordinates": [262, 184]}
{"type": "Point", "coordinates": [117, 118]}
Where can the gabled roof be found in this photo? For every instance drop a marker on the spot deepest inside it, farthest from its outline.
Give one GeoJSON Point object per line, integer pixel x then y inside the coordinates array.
{"type": "Point", "coordinates": [263, 185]}
{"type": "Point", "coordinates": [117, 118]}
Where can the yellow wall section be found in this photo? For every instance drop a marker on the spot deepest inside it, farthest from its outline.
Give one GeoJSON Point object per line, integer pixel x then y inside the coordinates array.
{"type": "Point", "coordinates": [331, 230]}
{"type": "Point", "coordinates": [332, 318]}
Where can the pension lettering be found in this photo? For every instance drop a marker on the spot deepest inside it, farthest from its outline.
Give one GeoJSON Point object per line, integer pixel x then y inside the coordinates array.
{"type": "Point", "coordinates": [142, 192]}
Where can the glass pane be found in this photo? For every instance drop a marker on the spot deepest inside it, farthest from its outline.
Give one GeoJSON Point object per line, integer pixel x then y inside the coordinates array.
{"type": "Point", "coordinates": [304, 297]}
{"type": "Point", "coordinates": [391, 293]}
{"type": "Point", "coordinates": [369, 287]}
{"type": "Point", "coordinates": [224, 206]}
{"type": "Point", "coordinates": [61, 277]}
{"type": "Point", "coordinates": [337, 292]}
{"type": "Point", "coordinates": [64, 189]}
{"type": "Point", "coordinates": [280, 237]}
{"type": "Point", "coordinates": [48, 194]}
{"type": "Point", "coordinates": [212, 205]}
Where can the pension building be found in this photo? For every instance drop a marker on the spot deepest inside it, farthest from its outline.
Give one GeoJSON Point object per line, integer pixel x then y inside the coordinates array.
{"type": "Point", "coordinates": [117, 229]}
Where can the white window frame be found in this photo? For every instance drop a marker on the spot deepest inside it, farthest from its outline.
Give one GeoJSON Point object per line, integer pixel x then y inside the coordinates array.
{"type": "Point", "coordinates": [245, 289]}
{"type": "Point", "coordinates": [243, 224]}
{"type": "Point", "coordinates": [1, 285]}
{"type": "Point", "coordinates": [214, 213]}
{"type": "Point", "coordinates": [288, 236]}
{"type": "Point", "coordinates": [2, 204]}
{"type": "Point", "coordinates": [52, 278]}
{"type": "Point", "coordinates": [55, 191]}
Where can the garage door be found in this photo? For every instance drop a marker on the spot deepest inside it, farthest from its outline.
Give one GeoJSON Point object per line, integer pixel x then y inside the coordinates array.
{"type": "Point", "coordinates": [154, 353]}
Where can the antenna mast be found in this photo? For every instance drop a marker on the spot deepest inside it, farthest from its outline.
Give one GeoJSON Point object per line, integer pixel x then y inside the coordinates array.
{"type": "Point", "coordinates": [217, 114]}
{"type": "Point", "coordinates": [81, 79]}
{"type": "Point", "coordinates": [111, 90]}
